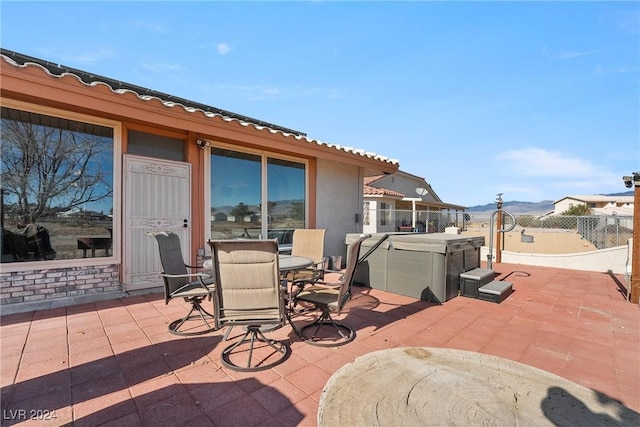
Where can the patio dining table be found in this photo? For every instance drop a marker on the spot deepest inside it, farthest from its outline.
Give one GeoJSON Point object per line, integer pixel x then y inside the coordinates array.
{"type": "Point", "coordinates": [286, 263]}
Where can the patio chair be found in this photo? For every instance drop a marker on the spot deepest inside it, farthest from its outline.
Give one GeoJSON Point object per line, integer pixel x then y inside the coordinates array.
{"type": "Point", "coordinates": [331, 300]}
{"type": "Point", "coordinates": [249, 294]}
{"type": "Point", "coordinates": [308, 243]}
{"type": "Point", "coordinates": [179, 283]}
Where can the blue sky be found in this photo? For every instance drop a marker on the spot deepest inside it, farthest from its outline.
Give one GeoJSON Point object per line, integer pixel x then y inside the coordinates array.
{"type": "Point", "coordinates": [536, 100]}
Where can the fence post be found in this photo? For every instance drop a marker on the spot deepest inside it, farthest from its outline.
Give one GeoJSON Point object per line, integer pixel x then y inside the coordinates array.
{"type": "Point", "coordinates": [498, 228]}
{"type": "Point", "coordinates": [635, 262]}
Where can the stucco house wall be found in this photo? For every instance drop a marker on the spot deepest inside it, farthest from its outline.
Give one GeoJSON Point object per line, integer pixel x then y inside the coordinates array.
{"type": "Point", "coordinates": [614, 260]}
{"type": "Point", "coordinates": [398, 192]}
{"type": "Point", "coordinates": [406, 184]}
{"type": "Point", "coordinates": [333, 194]}
{"type": "Point", "coordinates": [339, 200]}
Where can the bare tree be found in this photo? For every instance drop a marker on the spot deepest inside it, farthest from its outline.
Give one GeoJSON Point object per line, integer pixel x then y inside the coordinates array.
{"type": "Point", "coordinates": [50, 169]}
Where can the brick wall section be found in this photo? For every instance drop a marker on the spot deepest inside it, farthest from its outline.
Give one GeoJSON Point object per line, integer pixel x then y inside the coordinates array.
{"type": "Point", "coordinates": [39, 285]}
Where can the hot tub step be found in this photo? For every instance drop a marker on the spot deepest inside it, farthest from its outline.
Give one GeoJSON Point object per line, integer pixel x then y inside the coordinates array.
{"type": "Point", "coordinates": [495, 291]}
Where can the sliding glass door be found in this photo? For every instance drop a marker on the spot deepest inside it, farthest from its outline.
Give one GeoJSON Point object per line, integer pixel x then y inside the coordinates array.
{"type": "Point", "coordinates": [256, 195]}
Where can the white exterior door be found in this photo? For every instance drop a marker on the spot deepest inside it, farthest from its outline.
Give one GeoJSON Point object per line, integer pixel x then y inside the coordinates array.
{"type": "Point", "coordinates": [157, 197]}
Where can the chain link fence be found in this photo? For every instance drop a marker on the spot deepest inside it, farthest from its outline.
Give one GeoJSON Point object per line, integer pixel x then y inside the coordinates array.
{"type": "Point", "coordinates": [388, 220]}
{"type": "Point", "coordinates": [600, 231]}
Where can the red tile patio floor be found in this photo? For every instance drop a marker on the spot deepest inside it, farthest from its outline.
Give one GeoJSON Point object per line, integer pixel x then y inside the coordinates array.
{"type": "Point", "coordinates": [114, 363]}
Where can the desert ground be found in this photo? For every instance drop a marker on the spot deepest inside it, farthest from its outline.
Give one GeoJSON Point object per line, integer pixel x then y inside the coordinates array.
{"type": "Point", "coordinates": [544, 241]}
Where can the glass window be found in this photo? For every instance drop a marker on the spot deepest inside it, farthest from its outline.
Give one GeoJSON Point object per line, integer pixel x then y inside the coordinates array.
{"type": "Point", "coordinates": [383, 213]}
{"type": "Point", "coordinates": [239, 192]}
{"type": "Point", "coordinates": [285, 199]}
{"type": "Point", "coordinates": [57, 188]}
{"type": "Point", "coordinates": [235, 194]}
{"type": "Point", "coordinates": [365, 212]}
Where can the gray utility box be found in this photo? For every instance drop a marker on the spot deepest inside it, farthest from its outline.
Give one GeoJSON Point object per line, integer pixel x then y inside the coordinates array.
{"type": "Point", "coordinates": [423, 266]}
{"type": "Point", "coordinates": [471, 280]}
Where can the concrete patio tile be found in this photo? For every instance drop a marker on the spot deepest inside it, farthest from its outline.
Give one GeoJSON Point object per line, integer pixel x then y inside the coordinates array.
{"type": "Point", "coordinates": [125, 368]}
{"type": "Point", "coordinates": [193, 375]}
{"type": "Point", "coordinates": [177, 410]}
{"type": "Point", "coordinates": [80, 334]}
{"type": "Point", "coordinates": [251, 381]}
{"type": "Point", "coordinates": [49, 409]}
{"type": "Point", "coordinates": [13, 345]}
{"type": "Point", "coordinates": [603, 352]}
{"type": "Point", "coordinates": [156, 389]}
{"type": "Point", "coordinates": [310, 379]}
{"type": "Point", "coordinates": [97, 389]}
{"type": "Point", "coordinates": [244, 411]}
{"type": "Point", "coordinates": [210, 396]}
{"type": "Point", "coordinates": [311, 353]}
{"type": "Point", "coordinates": [80, 358]}
{"type": "Point", "coordinates": [557, 342]}
{"type": "Point", "coordinates": [54, 382]}
{"type": "Point", "coordinates": [131, 419]}
{"type": "Point", "coordinates": [29, 371]}
{"type": "Point", "coordinates": [548, 360]}
{"type": "Point", "coordinates": [279, 395]}
{"type": "Point", "coordinates": [94, 370]}
{"type": "Point", "coordinates": [303, 414]}
{"type": "Point", "coordinates": [138, 374]}
{"type": "Point", "coordinates": [140, 356]}
{"type": "Point", "coordinates": [131, 345]}
{"type": "Point", "coordinates": [92, 342]}
{"type": "Point", "coordinates": [293, 364]}
{"type": "Point", "coordinates": [333, 362]}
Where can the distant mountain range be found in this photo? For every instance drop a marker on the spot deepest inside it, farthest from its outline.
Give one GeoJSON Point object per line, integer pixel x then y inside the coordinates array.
{"type": "Point", "coordinates": [515, 207]}
{"type": "Point", "coordinates": [526, 208]}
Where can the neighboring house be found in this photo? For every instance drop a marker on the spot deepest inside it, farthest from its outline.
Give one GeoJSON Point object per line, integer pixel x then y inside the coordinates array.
{"type": "Point", "coordinates": [154, 162]}
{"type": "Point", "coordinates": [406, 202]}
{"type": "Point", "coordinates": [600, 205]}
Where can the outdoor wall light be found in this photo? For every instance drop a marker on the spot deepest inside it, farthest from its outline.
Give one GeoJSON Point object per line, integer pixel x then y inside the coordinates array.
{"type": "Point", "coordinates": [203, 143]}
{"type": "Point", "coordinates": [630, 180]}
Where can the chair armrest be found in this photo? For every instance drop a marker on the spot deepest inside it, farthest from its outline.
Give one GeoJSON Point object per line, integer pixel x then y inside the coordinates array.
{"type": "Point", "coordinates": [186, 275]}
{"type": "Point", "coordinates": [200, 279]}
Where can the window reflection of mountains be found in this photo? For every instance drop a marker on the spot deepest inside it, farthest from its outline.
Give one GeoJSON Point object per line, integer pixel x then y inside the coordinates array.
{"type": "Point", "coordinates": [279, 209]}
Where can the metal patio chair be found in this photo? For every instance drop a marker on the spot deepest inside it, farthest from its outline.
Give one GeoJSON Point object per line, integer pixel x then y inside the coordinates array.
{"type": "Point", "coordinates": [331, 299]}
{"type": "Point", "coordinates": [249, 294]}
{"type": "Point", "coordinates": [308, 243]}
{"type": "Point", "coordinates": [179, 283]}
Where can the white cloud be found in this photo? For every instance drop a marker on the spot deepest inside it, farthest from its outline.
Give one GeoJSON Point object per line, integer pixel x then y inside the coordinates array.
{"type": "Point", "coordinates": [162, 67]}
{"type": "Point", "coordinates": [223, 48]}
{"type": "Point", "coordinates": [89, 57]}
{"type": "Point", "coordinates": [538, 162]}
{"type": "Point", "coordinates": [147, 26]}
{"type": "Point", "coordinates": [567, 54]}
{"type": "Point", "coordinates": [555, 173]}
{"type": "Point", "coordinates": [252, 93]}
{"type": "Point", "coordinates": [620, 70]}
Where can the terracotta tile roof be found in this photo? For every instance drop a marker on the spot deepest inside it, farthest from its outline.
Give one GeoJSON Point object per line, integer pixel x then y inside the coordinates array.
{"type": "Point", "coordinates": [374, 191]}
{"type": "Point", "coordinates": [372, 179]}
{"type": "Point", "coordinates": [170, 101]}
